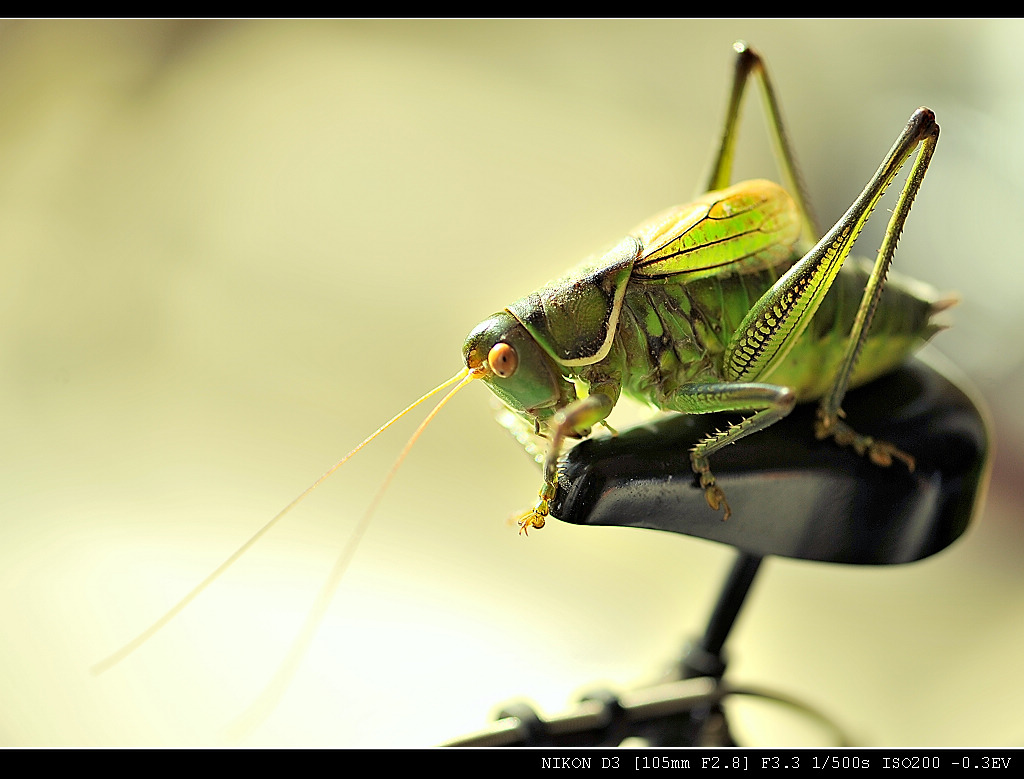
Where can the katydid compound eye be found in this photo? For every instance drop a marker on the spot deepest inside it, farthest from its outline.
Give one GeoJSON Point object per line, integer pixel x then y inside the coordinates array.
{"type": "Point", "coordinates": [503, 360]}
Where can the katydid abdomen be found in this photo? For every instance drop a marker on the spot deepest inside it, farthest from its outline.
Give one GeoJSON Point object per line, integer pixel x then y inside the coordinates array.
{"type": "Point", "coordinates": [671, 333]}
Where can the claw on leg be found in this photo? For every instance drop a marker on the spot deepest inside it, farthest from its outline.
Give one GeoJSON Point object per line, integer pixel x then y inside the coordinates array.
{"type": "Point", "coordinates": [534, 518]}
{"type": "Point", "coordinates": [716, 499]}
{"type": "Point", "coordinates": [713, 494]}
{"type": "Point", "coordinates": [882, 453]}
{"type": "Point", "coordinates": [537, 516]}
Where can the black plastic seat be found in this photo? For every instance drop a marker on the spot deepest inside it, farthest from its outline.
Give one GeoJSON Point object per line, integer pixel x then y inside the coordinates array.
{"type": "Point", "coordinates": [791, 495]}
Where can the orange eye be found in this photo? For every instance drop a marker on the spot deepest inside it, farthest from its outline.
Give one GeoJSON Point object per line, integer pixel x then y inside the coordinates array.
{"type": "Point", "coordinates": [503, 360]}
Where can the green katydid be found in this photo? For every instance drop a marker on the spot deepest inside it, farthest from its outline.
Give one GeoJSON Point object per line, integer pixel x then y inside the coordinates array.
{"type": "Point", "coordinates": [697, 307]}
{"type": "Point", "coordinates": [693, 311]}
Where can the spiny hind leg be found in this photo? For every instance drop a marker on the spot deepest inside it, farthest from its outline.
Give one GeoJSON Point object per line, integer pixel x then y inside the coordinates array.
{"type": "Point", "coordinates": [777, 319]}
{"type": "Point", "coordinates": [769, 403]}
{"type": "Point", "coordinates": [922, 132]}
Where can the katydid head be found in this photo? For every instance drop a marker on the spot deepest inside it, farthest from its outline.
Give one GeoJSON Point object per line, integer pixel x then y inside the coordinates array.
{"type": "Point", "coordinates": [517, 369]}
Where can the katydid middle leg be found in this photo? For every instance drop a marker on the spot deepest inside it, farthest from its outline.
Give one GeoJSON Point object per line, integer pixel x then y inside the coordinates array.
{"type": "Point", "coordinates": [769, 402]}
{"type": "Point", "coordinates": [750, 64]}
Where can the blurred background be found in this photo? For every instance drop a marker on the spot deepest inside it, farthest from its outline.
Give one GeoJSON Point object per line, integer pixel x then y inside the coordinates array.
{"type": "Point", "coordinates": [230, 250]}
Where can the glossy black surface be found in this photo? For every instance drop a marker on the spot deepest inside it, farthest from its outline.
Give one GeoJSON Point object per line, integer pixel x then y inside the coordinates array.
{"type": "Point", "coordinates": [794, 496]}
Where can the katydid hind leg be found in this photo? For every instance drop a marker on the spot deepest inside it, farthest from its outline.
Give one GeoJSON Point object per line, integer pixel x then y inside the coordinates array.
{"type": "Point", "coordinates": [775, 322]}
{"type": "Point", "coordinates": [922, 132]}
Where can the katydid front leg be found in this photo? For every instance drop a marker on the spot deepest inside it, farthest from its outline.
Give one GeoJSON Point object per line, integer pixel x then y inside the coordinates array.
{"type": "Point", "coordinates": [574, 420]}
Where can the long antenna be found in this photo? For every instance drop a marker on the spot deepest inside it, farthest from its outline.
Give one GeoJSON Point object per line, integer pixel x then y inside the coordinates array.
{"type": "Point", "coordinates": [462, 376]}
{"type": "Point", "coordinates": [272, 693]}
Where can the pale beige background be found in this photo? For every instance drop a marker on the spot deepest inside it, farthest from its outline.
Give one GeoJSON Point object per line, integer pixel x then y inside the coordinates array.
{"type": "Point", "coordinates": [230, 250]}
